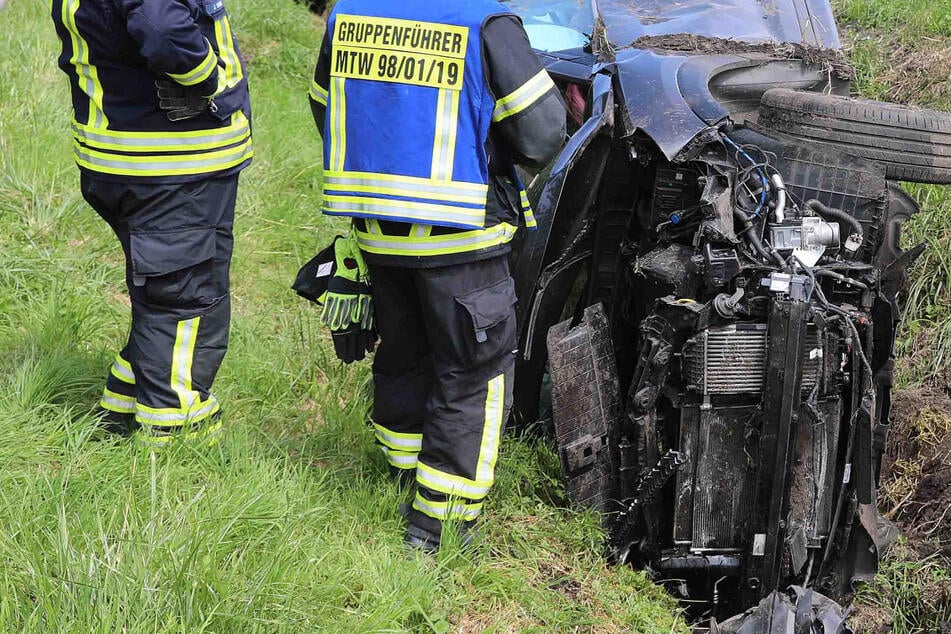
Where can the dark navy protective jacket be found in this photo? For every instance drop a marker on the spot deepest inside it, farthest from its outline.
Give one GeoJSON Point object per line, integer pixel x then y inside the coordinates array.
{"type": "Point", "coordinates": [425, 108]}
{"type": "Point", "coordinates": [114, 51]}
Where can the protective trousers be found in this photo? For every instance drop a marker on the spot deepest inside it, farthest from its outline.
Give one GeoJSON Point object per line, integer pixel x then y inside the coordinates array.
{"type": "Point", "coordinates": [443, 380]}
{"type": "Point", "coordinates": [178, 242]}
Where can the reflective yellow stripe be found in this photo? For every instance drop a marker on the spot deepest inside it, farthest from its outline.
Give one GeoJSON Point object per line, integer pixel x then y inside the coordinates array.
{"type": "Point", "coordinates": [175, 417]}
{"type": "Point", "coordinates": [193, 409]}
{"type": "Point", "coordinates": [420, 231]}
{"type": "Point", "coordinates": [492, 430]}
{"type": "Point", "coordinates": [527, 212]}
{"type": "Point", "coordinates": [183, 355]}
{"type": "Point", "coordinates": [522, 98]}
{"type": "Point", "coordinates": [526, 203]}
{"type": "Point", "coordinates": [447, 126]}
{"type": "Point", "coordinates": [86, 72]}
{"type": "Point", "coordinates": [318, 93]}
{"type": "Point", "coordinates": [233, 72]}
{"type": "Point", "coordinates": [149, 142]}
{"type": "Point", "coordinates": [451, 511]}
{"type": "Point", "coordinates": [406, 187]}
{"type": "Point", "coordinates": [238, 122]}
{"type": "Point", "coordinates": [338, 124]}
{"type": "Point", "coordinates": [206, 433]}
{"type": "Point", "coordinates": [413, 245]}
{"type": "Point", "coordinates": [410, 181]}
{"type": "Point", "coordinates": [238, 68]}
{"type": "Point", "coordinates": [403, 210]}
{"type": "Point", "coordinates": [123, 371]}
{"type": "Point", "coordinates": [123, 363]}
{"type": "Point", "coordinates": [171, 165]}
{"type": "Point", "coordinates": [201, 72]}
{"type": "Point", "coordinates": [449, 484]}
{"type": "Point", "coordinates": [118, 403]}
{"type": "Point", "coordinates": [401, 459]}
{"type": "Point", "coordinates": [398, 440]}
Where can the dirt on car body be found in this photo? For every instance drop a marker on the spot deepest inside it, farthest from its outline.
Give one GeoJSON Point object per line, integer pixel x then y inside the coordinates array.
{"type": "Point", "coordinates": [832, 59]}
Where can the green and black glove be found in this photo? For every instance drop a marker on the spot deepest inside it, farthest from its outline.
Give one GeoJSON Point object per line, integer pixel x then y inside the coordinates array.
{"type": "Point", "coordinates": [348, 305]}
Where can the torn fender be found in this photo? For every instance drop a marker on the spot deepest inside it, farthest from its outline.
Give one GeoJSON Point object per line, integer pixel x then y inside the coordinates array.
{"type": "Point", "coordinates": [668, 98]}
{"type": "Point", "coordinates": [562, 205]}
{"type": "Point", "coordinates": [541, 247]}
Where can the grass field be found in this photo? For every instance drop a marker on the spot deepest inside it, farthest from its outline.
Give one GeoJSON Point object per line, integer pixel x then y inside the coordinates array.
{"type": "Point", "coordinates": [290, 525]}
{"type": "Point", "coordinates": [902, 51]}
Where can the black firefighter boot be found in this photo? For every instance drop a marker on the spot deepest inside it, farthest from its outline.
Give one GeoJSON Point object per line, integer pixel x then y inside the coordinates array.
{"type": "Point", "coordinates": [405, 480]}
{"type": "Point", "coordinates": [113, 423]}
{"type": "Point", "coordinates": [427, 542]}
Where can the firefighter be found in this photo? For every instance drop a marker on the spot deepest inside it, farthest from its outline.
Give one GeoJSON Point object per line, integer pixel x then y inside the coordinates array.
{"type": "Point", "coordinates": [161, 130]}
{"type": "Point", "coordinates": [425, 107]}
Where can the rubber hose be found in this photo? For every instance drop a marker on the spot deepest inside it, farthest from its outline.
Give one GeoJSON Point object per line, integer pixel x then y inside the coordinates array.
{"type": "Point", "coordinates": [757, 244]}
{"type": "Point", "coordinates": [836, 214]}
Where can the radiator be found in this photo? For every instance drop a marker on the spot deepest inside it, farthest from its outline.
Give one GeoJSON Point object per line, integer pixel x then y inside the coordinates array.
{"type": "Point", "coordinates": [732, 360]}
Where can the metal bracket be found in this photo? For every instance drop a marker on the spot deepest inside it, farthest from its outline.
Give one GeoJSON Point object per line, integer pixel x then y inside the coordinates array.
{"type": "Point", "coordinates": [583, 453]}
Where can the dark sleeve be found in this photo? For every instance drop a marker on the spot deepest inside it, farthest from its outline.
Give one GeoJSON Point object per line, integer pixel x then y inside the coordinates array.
{"type": "Point", "coordinates": [172, 43]}
{"type": "Point", "coordinates": [321, 84]}
{"type": "Point", "coordinates": [530, 114]}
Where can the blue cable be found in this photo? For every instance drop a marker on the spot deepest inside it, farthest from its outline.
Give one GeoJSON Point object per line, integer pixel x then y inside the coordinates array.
{"type": "Point", "coordinates": [762, 174]}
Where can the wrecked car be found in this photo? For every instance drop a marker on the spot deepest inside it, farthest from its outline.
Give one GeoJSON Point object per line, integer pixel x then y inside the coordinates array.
{"type": "Point", "coordinates": [709, 307]}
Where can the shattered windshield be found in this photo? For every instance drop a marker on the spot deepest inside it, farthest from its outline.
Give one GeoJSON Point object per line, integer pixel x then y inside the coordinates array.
{"type": "Point", "coordinates": [555, 25]}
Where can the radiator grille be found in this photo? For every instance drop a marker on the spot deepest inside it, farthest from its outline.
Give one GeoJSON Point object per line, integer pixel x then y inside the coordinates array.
{"type": "Point", "coordinates": [732, 359]}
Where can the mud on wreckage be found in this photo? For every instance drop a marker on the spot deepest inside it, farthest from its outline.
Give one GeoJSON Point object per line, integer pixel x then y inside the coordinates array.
{"type": "Point", "coordinates": [710, 303]}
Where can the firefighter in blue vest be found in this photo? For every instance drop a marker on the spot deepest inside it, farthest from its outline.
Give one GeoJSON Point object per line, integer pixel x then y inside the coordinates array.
{"type": "Point", "coordinates": [161, 128]}
{"type": "Point", "coordinates": [425, 107]}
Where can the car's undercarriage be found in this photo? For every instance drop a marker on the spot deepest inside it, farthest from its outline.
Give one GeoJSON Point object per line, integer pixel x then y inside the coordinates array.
{"type": "Point", "coordinates": [753, 320]}
{"type": "Point", "coordinates": [709, 307]}
{"type": "Point", "coordinates": [720, 355]}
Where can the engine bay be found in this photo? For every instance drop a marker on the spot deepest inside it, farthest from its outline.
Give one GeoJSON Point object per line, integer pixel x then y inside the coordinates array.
{"type": "Point", "coordinates": [750, 302]}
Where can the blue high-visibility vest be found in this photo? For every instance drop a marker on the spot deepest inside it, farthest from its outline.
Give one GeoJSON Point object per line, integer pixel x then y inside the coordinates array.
{"type": "Point", "coordinates": [408, 112]}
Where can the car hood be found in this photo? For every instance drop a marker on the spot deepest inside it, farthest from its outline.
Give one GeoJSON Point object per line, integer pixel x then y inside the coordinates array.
{"type": "Point", "coordinates": [809, 22]}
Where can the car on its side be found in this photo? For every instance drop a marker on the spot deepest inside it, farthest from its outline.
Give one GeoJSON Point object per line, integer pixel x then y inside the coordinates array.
{"type": "Point", "coordinates": [709, 306]}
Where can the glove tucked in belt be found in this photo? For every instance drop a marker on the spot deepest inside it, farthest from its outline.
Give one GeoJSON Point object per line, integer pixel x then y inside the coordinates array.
{"type": "Point", "coordinates": [348, 305]}
{"type": "Point", "coordinates": [180, 103]}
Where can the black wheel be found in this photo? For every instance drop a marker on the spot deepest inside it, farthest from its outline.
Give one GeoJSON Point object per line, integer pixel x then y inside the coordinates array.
{"type": "Point", "coordinates": [912, 143]}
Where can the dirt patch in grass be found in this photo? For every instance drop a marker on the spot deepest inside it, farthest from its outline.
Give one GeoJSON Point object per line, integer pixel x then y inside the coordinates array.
{"type": "Point", "coordinates": [912, 594]}
{"type": "Point", "coordinates": [916, 471]}
{"type": "Point", "coordinates": [913, 590]}
{"type": "Point", "coordinates": [872, 619]}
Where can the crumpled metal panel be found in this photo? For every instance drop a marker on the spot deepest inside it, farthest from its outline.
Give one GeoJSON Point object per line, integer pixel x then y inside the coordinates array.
{"type": "Point", "coordinates": [804, 21]}
{"type": "Point", "coordinates": [803, 611]}
{"type": "Point", "coordinates": [653, 100]}
{"type": "Point", "coordinates": [529, 259]}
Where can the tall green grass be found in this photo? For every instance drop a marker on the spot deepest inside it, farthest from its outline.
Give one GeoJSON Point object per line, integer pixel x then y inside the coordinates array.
{"type": "Point", "coordinates": [910, 19]}
{"type": "Point", "coordinates": [887, 40]}
{"type": "Point", "coordinates": [290, 523]}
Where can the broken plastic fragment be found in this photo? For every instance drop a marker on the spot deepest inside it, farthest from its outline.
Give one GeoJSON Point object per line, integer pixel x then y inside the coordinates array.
{"type": "Point", "coordinates": [799, 611]}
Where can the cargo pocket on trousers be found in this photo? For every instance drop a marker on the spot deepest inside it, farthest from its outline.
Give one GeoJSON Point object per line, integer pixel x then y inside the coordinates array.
{"type": "Point", "coordinates": [175, 267]}
{"type": "Point", "coordinates": [490, 314]}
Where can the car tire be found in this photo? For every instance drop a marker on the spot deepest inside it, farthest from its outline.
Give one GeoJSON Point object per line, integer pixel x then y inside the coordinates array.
{"type": "Point", "coordinates": [913, 144]}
